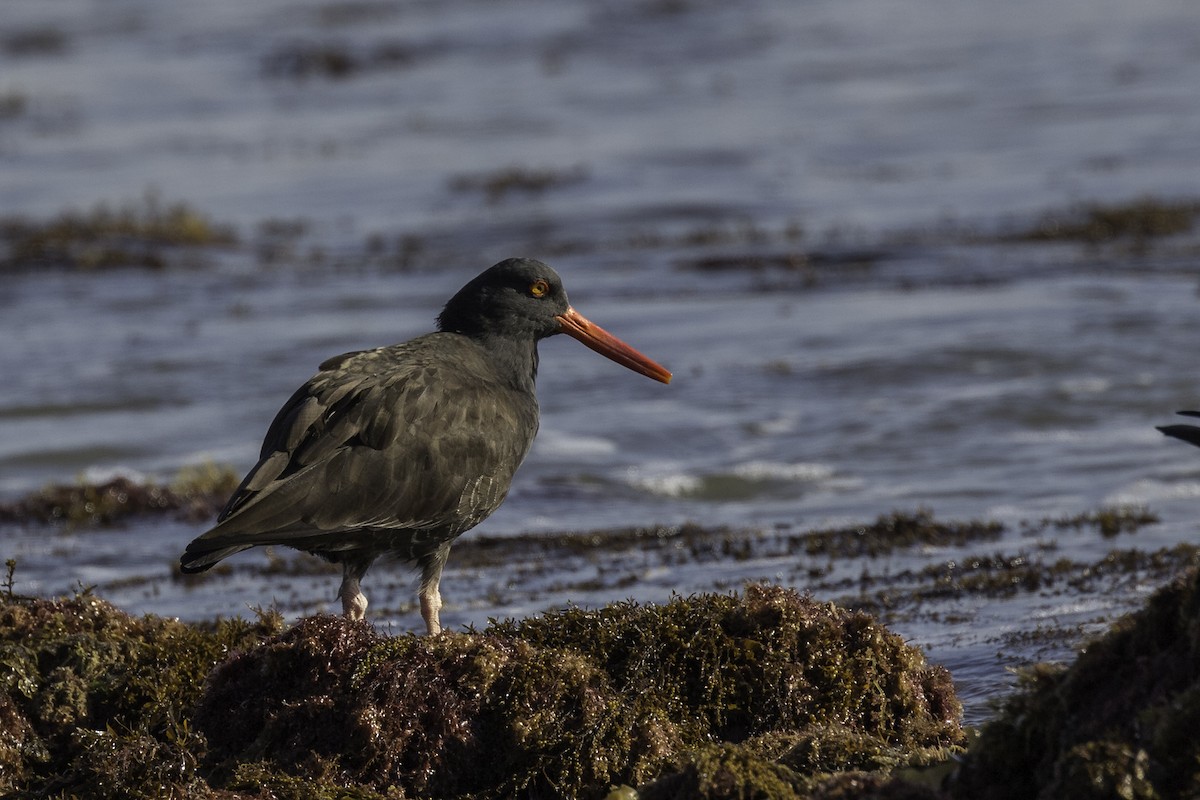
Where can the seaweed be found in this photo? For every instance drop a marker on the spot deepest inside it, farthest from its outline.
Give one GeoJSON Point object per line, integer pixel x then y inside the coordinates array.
{"type": "Point", "coordinates": [95, 702]}
{"type": "Point", "coordinates": [300, 60]}
{"type": "Point", "coordinates": [1119, 722]}
{"type": "Point", "coordinates": [197, 492]}
{"type": "Point", "coordinates": [764, 694]}
{"type": "Point", "coordinates": [38, 41]}
{"type": "Point", "coordinates": [1138, 222]}
{"type": "Point", "coordinates": [1110, 521]}
{"type": "Point", "coordinates": [146, 235]}
{"type": "Point", "coordinates": [894, 531]}
{"type": "Point", "coordinates": [497, 185]}
{"type": "Point", "coordinates": [767, 694]}
{"type": "Point", "coordinates": [570, 704]}
{"type": "Point", "coordinates": [13, 104]}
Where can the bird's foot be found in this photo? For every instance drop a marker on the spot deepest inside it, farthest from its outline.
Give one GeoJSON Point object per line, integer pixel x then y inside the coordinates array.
{"type": "Point", "coordinates": [431, 604]}
{"type": "Point", "coordinates": [354, 602]}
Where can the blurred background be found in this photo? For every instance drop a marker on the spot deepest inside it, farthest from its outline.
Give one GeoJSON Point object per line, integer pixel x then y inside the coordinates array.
{"type": "Point", "coordinates": [901, 256]}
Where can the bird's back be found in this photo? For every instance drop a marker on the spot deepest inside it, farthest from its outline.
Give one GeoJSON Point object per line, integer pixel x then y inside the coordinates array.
{"type": "Point", "coordinates": [397, 450]}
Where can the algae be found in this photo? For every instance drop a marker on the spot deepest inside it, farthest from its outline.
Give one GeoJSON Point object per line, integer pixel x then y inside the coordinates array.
{"type": "Point", "coordinates": [197, 492]}
{"type": "Point", "coordinates": [301, 60]}
{"type": "Point", "coordinates": [96, 703]}
{"type": "Point", "coordinates": [497, 185]}
{"type": "Point", "coordinates": [732, 668]}
{"type": "Point", "coordinates": [1119, 722]}
{"type": "Point", "coordinates": [1138, 222]}
{"type": "Point", "coordinates": [767, 694]}
{"type": "Point", "coordinates": [723, 770]}
{"type": "Point", "coordinates": [1110, 521]}
{"type": "Point", "coordinates": [571, 703]}
{"type": "Point", "coordinates": [148, 235]}
{"type": "Point", "coordinates": [31, 42]}
{"type": "Point", "coordinates": [13, 104]}
{"type": "Point", "coordinates": [763, 694]}
{"type": "Point", "coordinates": [895, 531]}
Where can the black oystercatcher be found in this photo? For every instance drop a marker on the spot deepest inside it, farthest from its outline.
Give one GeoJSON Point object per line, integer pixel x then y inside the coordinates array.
{"type": "Point", "coordinates": [399, 450]}
{"type": "Point", "coordinates": [1188, 433]}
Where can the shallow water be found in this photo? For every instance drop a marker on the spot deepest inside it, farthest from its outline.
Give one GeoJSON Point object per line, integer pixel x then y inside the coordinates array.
{"type": "Point", "coordinates": [1009, 382]}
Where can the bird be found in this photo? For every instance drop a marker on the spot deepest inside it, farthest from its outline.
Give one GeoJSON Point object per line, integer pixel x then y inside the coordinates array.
{"type": "Point", "coordinates": [1188, 433]}
{"type": "Point", "coordinates": [397, 451]}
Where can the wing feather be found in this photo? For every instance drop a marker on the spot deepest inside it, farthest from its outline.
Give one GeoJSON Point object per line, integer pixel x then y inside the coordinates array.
{"type": "Point", "coordinates": [299, 422]}
{"type": "Point", "coordinates": [378, 443]}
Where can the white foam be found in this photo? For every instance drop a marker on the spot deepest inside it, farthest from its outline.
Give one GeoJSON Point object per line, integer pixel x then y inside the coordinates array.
{"type": "Point", "coordinates": [673, 485]}
{"type": "Point", "coordinates": [552, 444]}
{"type": "Point", "coordinates": [778, 470]}
{"type": "Point", "coordinates": [97, 475]}
{"type": "Point", "coordinates": [1144, 491]}
{"type": "Point", "coordinates": [1093, 385]}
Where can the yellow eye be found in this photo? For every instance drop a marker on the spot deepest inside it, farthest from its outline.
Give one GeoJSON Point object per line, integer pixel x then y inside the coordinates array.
{"type": "Point", "coordinates": [539, 288]}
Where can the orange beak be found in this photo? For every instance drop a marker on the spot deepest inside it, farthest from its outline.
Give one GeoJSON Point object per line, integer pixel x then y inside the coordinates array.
{"type": "Point", "coordinates": [578, 327]}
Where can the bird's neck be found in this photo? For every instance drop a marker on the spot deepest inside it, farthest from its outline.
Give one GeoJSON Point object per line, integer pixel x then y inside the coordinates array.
{"type": "Point", "coordinates": [515, 361]}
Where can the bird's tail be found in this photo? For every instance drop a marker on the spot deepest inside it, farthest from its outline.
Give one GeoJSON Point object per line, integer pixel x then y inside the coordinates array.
{"type": "Point", "coordinates": [200, 555]}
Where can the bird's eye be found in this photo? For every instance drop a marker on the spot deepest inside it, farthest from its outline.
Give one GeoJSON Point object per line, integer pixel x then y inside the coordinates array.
{"type": "Point", "coordinates": [539, 288]}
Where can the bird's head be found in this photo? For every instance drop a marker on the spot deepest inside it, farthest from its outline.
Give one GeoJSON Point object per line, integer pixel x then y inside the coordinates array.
{"type": "Point", "coordinates": [523, 299]}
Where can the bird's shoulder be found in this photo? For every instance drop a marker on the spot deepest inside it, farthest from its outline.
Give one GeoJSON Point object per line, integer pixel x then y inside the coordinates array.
{"type": "Point", "coordinates": [452, 356]}
{"type": "Point", "coordinates": [437, 367]}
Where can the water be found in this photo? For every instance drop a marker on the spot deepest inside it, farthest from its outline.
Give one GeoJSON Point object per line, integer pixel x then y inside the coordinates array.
{"type": "Point", "coordinates": [1009, 382]}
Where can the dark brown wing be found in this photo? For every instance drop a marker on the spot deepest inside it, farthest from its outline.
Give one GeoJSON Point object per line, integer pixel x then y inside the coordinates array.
{"type": "Point", "coordinates": [395, 449]}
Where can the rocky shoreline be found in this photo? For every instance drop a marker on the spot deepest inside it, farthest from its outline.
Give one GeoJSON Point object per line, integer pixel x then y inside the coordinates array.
{"type": "Point", "coordinates": [766, 693]}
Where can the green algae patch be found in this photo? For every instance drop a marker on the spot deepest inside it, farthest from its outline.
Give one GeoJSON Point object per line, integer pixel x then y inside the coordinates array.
{"type": "Point", "coordinates": [497, 185]}
{"type": "Point", "coordinates": [148, 235]}
{"type": "Point", "coordinates": [573, 704]}
{"type": "Point", "coordinates": [335, 60]}
{"type": "Point", "coordinates": [1120, 722]}
{"type": "Point", "coordinates": [722, 771]}
{"type": "Point", "coordinates": [96, 703]}
{"type": "Point", "coordinates": [1109, 521]}
{"type": "Point", "coordinates": [725, 770]}
{"type": "Point", "coordinates": [897, 530]}
{"type": "Point", "coordinates": [1137, 222]}
{"type": "Point", "coordinates": [197, 493]}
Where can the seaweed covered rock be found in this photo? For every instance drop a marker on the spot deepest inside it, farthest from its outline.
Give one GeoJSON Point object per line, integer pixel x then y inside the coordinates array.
{"type": "Point", "coordinates": [574, 703]}
{"type": "Point", "coordinates": [1122, 721]}
{"type": "Point", "coordinates": [721, 772]}
{"type": "Point", "coordinates": [440, 716]}
{"type": "Point", "coordinates": [714, 771]}
{"type": "Point", "coordinates": [731, 667]}
{"type": "Point", "coordinates": [95, 702]}
{"type": "Point", "coordinates": [766, 695]}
